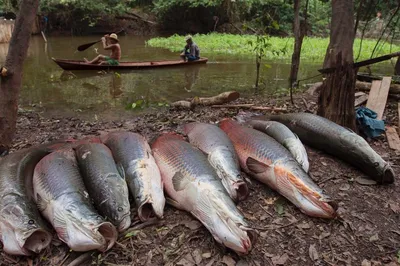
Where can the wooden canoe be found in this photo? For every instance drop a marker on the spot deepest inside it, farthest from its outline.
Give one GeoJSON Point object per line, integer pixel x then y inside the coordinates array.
{"type": "Point", "coordinates": [82, 65]}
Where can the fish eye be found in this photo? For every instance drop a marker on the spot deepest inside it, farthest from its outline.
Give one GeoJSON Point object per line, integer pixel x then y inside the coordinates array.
{"type": "Point", "coordinates": [31, 222]}
{"type": "Point", "coordinates": [376, 164]}
{"type": "Point", "coordinates": [120, 209]}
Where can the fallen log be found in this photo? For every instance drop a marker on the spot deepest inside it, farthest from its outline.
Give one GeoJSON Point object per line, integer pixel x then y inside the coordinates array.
{"type": "Point", "coordinates": [250, 106]}
{"type": "Point", "coordinates": [222, 98]}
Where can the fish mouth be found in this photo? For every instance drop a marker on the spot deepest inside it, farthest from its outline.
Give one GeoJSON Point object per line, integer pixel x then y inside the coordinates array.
{"type": "Point", "coordinates": [110, 235]}
{"type": "Point", "coordinates": [388, 175]}
{"type": "Point", "coordinates": [38, 240]}
{"type": "Point", "coordinates": [241, 190]}
{"type": "Point", "coordinates": [148, 209]}
{"type": "Point", "coordinates": [33, 241]}
{"type": "Point", "coordinates": [124, 223]}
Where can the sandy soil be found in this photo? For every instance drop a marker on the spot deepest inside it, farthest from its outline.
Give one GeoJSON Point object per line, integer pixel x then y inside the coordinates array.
{"type": "Point", "coordinates": [367, 233]}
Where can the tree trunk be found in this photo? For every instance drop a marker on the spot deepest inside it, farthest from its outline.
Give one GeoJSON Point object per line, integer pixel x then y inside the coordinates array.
{"type": "Point", "coordinates": [336, 100]}
{"type": "Point", "coordinates": [298, 42]}
{"type": "Point", "coordinates": [11, 75]}
{"type": "Point", "coordinates": [258, 64]}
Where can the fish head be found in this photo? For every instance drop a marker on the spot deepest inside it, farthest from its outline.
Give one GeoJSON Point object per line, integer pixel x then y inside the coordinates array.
{"type": "Point", "coordinates": [82, 229]}
{"type": "Point", "coordinates": [120, 207]}
{"type": "Point", "coordinates": [22, 230]}
{"type": "Point", "coordinates": [232, 235]}
{"type": "Point", "coordinates": [373, 162]}
{"type": "Point", "coordinates": [298, 187]}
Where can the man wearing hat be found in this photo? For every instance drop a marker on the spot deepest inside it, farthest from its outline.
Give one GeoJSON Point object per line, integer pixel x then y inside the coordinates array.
{"type": "Point", "coordinates": [191, 51]}
{"type": "Point", "coordinates": [110, 42]}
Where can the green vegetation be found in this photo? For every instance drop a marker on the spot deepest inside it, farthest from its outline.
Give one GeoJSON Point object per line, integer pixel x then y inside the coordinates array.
{"type": "Point", "coordinates": [314, 49]}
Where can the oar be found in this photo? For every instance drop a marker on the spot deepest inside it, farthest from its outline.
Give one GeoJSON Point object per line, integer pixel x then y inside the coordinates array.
{"type": "Point", "coordinates": [83, 47]}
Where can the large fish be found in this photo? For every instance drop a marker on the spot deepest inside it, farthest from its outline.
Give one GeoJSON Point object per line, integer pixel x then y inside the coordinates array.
{"type": "Point", "coordinates": [321, 133]}
{"type": "Point", "coordinates": [133, 153]}
{"type": "Point", "coordinates": [221, 154]}
{"type": "Point", "coordinates": [105, 184]}
{"type": "Point", "coordinates": [22, 230]}
{"type": "Point", "coordinates": [193, 186]}
{"type": "Point", "coordinates": [62, 198]}
{"type": "Point", "coordinates": [268, 161]}
{"type": "Point", "coordinates": [284, 136]}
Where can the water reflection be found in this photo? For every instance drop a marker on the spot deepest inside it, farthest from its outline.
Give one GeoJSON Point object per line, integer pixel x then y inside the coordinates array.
{"type": "Point", "coordinates": [191, 75]}
{"type": "Point", "coordinates": [46, 83]}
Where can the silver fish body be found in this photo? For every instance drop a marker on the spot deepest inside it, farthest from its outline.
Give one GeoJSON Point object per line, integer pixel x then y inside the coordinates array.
{"type": "Point", "coordinates": [193, 186]}
{"type": "Point", "coordinates": [284, 136]}
{"type": "Point", "coordinates": [22, 230]}
{"type": "Point", "coordinates": [323, 134]}
{"type": "Point", "coordinates": [105, 184]}
{"type": "Point", "coordinates": [133, 153]}
{"type": "Point", "coordinates": [62, 198]}
{"type": "Point", "coordinates": [221, 154]}
{"type": "Point", "coordinates": [265, 159]}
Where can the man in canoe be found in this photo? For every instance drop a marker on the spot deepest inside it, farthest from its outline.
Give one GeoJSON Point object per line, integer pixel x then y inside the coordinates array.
{"type": "Point", "coordinates": [110, 42]}
{"type": "Point", "coordinates": [191, 51]}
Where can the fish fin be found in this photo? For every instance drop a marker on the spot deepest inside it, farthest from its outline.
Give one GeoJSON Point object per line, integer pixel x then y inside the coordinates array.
{"type": "Point", "coordinates": [256, 166]}
{"type": "Point", "coordinates": [60, 224]}
{"type": "Point", "coordinates": [121, 170]}
{"type": "Point", "coordinates": [179, 181]}
{"type": "Point", "coordinates": [41, 203]}
{"type": "Point", "coordinates": [174, 203]}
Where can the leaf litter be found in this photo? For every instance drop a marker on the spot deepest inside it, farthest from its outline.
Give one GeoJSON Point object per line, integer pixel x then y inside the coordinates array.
{"type": "Point", "coordinates": [369, 213]}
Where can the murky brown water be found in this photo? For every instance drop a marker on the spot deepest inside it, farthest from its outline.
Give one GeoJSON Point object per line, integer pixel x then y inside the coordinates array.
{"type": "Point", "coordinates": [88, 92]}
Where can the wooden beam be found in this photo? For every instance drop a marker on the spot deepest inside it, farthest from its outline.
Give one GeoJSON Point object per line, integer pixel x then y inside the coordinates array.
{"type": "Point", "coordinates": [378, 96]}
{"type": "Point", "coordinates": [360, 100]}
{"type": "Point", "coordinates": [398, 107]}
{"type": "Point", "coordinates": [393, 138]}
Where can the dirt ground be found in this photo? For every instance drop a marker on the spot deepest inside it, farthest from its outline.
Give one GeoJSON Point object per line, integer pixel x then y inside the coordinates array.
{"type": "Point", "coordinates": [367, 233]}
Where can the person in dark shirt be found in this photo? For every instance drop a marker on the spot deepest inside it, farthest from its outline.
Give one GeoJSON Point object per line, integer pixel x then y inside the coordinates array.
{"type": "Point", "coordinates": [191, 51]}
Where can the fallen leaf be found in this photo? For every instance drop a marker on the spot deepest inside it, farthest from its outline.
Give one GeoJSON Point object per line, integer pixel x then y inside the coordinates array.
{"type": "Point", "coordinates": [365, 263]}
{"type": "Point", "coordinates": [206, 255]}
{"type": "Point", "coordinates": [394, 207]}
{"type": "Point", "coordinates": [280, 260]}
{"type": "Point", "coordinates": [186, 261]}
{"type": "Point", "coordinates": [197, 256]}
{"type": "Point", "coordinates": [344, 187]}
{"type": "Point", "coordinates": [365, 181]}
{"type": "Point", "coordinates": [193, 224]}
{"type": "Point", "coordinates": [324, 163]}
{"type": "Point", "coordinates": [228, 260]}
{"type": "Point", "coordinates": [304, 226]}
{"type": "Point", "coordinates": [313, 253]}
{"type": "Point", "coordinates": [374, 238]}
{"type": "Point", "coordinates": [211, 262]}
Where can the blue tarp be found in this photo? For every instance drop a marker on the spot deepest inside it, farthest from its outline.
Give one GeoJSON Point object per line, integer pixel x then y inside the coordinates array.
{"type": "Point", "coordinates": [368, 124]}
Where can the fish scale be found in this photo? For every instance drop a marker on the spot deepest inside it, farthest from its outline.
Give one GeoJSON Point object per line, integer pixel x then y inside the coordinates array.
{"type": "Point", "coordinates": [133, 153]}
{"type": "Point", "coordinates": [221, 154]}
{"type": "Point", "coordinates": [19, 217]}
{"type": "Point", "coordinates": [265, 159]}
{"type": "Point", "coordinates": [62, 198]}
{"type": "Point", "coordinates": [193, 185]}
{"type": "Point", "coordinates": [323, 134]}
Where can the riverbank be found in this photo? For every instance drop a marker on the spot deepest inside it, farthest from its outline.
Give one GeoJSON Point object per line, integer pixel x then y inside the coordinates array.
{"type": "Point", "coordinates": [368, 230]}
{"type": "Point", "coordinates": [314, 48]}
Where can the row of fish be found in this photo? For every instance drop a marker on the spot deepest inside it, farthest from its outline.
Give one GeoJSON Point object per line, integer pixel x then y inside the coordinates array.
{"type": "Point", "coordinates": [72, 183]}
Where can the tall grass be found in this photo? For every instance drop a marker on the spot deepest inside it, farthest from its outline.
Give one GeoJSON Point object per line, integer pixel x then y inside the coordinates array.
{"type": "Point", "coordinates": [313, 49]}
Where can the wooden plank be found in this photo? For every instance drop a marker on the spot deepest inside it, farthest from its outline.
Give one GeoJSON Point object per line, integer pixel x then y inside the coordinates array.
{"type": "Point", "coordinates": [378, 96]}
{"type": "Point", "coordinates": [398, 107]}
{"type": "Point", "coordinates": [360, 100]}
{"type": "Point", "coordinates": [393, 138]}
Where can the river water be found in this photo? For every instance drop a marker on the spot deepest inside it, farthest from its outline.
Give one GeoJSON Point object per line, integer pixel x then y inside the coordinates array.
{"type": "Point", "coordinates": [47, 86]}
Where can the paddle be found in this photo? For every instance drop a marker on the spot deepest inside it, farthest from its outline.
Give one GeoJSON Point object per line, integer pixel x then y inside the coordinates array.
{"type": "Point", "coordinates": [83, 47]}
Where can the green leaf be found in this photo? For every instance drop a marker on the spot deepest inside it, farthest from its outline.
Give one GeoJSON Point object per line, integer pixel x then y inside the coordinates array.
{"type": "Point", "coordinates": [267, 66]}
{"type": "Point", "coordinates": [133, 106]}
{"type": "Point", "coordinates": [132, 233]}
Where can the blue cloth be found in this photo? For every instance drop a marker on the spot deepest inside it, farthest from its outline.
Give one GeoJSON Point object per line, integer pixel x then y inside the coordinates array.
{"type": "Point", "coordinates": [368, 124]}
{"type": "Point", "coordinates": [191, 57]}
